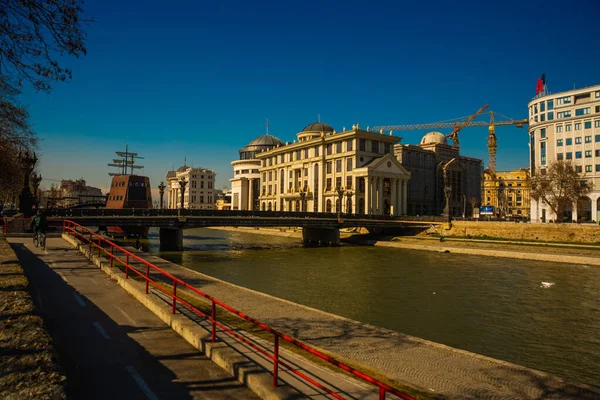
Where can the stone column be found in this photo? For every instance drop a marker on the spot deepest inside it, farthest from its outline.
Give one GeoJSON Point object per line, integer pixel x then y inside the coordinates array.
{"type": "Point", "coordinates": [380, 196]}
{"type": "Point", "coordinates": [398, 196]}
{"type": "Point", "coordinates": [404, 196]}
{"type": "Point", "coordinates": [250, 194]}
{"type": "Point", "coordinates": [321, 190]}
{"type": "Point", "coordinates": [373, 196]}
{"type": "Point", "coordinates": [394, 196]}
{"type": "Point", "coordinates": [367, 194]}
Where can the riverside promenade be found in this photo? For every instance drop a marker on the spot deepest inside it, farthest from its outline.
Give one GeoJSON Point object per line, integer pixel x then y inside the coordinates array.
{"type": "Point", "coordinates": [436, 370]}
{"type": "Point", "coordinates": [109, 345]}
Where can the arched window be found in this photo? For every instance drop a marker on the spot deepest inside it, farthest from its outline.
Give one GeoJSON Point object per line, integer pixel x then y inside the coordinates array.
{"type": "Point", "coordinates": [328, 206]}
{"type": "Point", "coordinates": [263, 206]}
{"type": "Point", "coordinates": [281, 205]}
{"type": "Point", "coordinates": [269, 207]}
{"type": "Point", "coordinates": [349, 206]}
{"type": "Point", "coordinates": [297, 206]}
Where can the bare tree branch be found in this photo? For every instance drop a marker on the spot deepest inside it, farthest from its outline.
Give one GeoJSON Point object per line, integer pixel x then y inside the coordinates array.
{"type": "Point", "coordinates": [33, 34]}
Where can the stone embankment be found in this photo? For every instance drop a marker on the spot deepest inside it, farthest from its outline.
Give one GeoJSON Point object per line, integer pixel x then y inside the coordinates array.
{"type": "Point", "coordinates": [563, 233]}
{"type": "Point", "coordinates": [28, 365]}
{"type": "Point", "coordinates": [552, 243]}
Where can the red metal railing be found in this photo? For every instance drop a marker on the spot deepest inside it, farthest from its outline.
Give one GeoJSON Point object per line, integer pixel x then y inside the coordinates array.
{"type": "Point", "coordinates": [107, 247]}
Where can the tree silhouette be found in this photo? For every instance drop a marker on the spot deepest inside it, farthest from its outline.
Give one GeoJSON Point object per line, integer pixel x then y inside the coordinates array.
{"type": "Point", "coordinates": [560, 187]}
{"type": "Point", "coordinates": [33, 35]}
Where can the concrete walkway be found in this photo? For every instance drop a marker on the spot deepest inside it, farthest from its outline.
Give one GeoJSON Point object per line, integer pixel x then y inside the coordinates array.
{"type": "Point", "coordinates": [436, 369]}
{"type": "Point", "coordinates": [110, 345]}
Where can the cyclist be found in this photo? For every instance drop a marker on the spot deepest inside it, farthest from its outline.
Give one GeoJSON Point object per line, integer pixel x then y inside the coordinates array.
{"type": "Point", "coordinates": [39, 223]}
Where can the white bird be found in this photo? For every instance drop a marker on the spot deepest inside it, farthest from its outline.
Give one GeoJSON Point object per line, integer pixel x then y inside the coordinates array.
{"type": "Point", "coordinates": [547, 285]}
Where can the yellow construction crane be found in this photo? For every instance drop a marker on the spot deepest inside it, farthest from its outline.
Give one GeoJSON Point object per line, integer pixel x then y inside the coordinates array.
{"type": "Point", "coordinates": [459, 123]}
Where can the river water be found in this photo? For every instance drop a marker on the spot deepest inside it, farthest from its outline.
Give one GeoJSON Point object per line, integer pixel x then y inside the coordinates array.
{"type": "Point", "coordinates": [492, 306]}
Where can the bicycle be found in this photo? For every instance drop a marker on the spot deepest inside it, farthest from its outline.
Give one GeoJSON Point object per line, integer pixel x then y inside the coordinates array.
{"type": "Point", "coordinates": [39, 239]}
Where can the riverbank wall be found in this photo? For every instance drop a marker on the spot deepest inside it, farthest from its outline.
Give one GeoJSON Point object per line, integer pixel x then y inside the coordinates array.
{"type": "Point", "coordinates": [490, 248]}
{"type": "Point", "coordinates": [562, 233]}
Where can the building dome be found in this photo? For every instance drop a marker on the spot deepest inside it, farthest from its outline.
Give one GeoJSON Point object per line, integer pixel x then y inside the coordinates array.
{"type": "Point", "coordinates": [434, 138]}
{"type": "Point", "coordinates": [265, 140]}
{"type": "Point", "coordinates": [317, 127]}
{"type": "Point", "coordinates": [183, 168]}
{"type": "Point", "coordinates": [261, 143]}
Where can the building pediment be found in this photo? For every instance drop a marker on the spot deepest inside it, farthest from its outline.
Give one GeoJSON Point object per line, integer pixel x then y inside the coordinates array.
{"type": "Point", "coordinates": [388, 165]}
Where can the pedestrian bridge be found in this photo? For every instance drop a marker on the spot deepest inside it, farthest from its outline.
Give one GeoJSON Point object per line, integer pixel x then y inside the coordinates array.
{"type": "Point", "coordinates": [317, 228]}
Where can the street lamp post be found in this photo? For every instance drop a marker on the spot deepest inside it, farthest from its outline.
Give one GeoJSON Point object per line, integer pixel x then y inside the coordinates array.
{"type": "Point", "coordinates": [182, 185]}
{"type": "Point", "coordinates": [340, 192]}
{"type": "Point", "coordinates": [36, 179]}
{"type": "Point", "coordinates": [161, 191]}
{"type": "Point", "coordinates": [28, 160]}
{"type": "Point", "coordinates": [349, 194]}
{"type": "Point", "coordinates": [302, 197]}
{"type": "Point", "coordinates": [447, 209]}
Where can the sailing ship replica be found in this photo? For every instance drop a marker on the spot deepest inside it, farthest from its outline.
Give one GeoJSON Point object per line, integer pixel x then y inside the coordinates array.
{"type": "Point", "coordinates": [128, 190]}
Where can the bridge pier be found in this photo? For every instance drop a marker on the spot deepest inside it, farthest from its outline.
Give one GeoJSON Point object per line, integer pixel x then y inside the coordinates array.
{"type": "Point", "coordinates": [171, 239]}
{"type": "Point", "coordinates": [320, 236]}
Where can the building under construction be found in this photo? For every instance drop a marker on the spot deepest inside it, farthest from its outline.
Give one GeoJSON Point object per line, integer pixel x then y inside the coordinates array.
{"type": "Point", "coordinates": [435, 165]}
{"type": "Point", "coordinates": [443, 181]}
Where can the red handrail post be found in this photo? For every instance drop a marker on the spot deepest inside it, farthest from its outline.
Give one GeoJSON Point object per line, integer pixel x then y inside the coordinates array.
{"type": "Point", "coordinates": [147, 277]}
{"type": "Point", "coordinates": [275, 361]}
{"type": "Point", "coordinates": [174, 296]}
{"type": "Point", "coordinates": [90, 243]}
{"type": "Point", "coordinates": [99, 247]}
{"type": "Point", "coordinates": [126, 265]}
{"type": "Point", "coordinates": [112, 251]}
{"type": "Point", "coordinates": [381, 393]}
{"type": "Point", "coordinates": [214, 322]}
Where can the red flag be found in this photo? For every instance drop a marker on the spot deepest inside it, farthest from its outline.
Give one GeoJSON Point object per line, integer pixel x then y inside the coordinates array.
{"type": "Point", "coordinates": [540, 86]}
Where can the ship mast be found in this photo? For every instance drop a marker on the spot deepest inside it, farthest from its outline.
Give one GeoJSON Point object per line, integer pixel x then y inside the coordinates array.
{"type": "Point", "coordinates": [125, 162]}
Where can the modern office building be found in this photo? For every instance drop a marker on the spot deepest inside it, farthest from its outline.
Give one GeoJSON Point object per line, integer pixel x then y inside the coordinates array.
{"type": "Point", "coordinates": [352, 171]}
{"type": "Point", "coordinates": [566, 126]}
{"type": "Point", "coordinates": [509, 193]}
{"type": "Point", "coordinates": [199, 188]}
{"type": "Point", "coordinates": [245, 184]}
{"type": "Point", "coordinates": [435, 165]}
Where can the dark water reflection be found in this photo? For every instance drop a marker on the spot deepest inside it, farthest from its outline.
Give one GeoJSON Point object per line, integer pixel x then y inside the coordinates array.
{"type": "Point", "coordinates": [492, 306]}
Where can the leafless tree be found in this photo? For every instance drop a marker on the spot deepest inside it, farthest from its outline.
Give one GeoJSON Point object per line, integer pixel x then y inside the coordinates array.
{"type": "Point", "coordinates": [16, 136]}
{"type": "Point", "coordinates": [33, 35]}
{"type": "Point", "coordinates": [560, 187]}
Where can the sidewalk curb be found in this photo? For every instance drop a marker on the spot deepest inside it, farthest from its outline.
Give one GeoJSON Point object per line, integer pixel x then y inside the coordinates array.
{"type": "Point", "coordinates": [257, 379]}
{"type": "Point", "coordinates": [565, 259]}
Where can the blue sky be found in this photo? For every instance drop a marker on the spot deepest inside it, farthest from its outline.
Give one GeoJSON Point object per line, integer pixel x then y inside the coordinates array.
{"type": "Point", "coordinates": [198, 79]}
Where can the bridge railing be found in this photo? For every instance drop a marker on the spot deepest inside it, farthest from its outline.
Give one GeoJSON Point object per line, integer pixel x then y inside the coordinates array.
{"type": "Point", "coordinates": [21, 225]}
{"type": "Point", "coordinates": [154, 212]}
{"type": "Point", "coordinates": [149, 274]}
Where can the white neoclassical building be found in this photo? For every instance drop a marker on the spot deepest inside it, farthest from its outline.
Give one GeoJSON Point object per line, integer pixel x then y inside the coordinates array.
{"type": "Point", "coordinates": [245, 184]}
{"type": "Point", "coordinates": [199, 192]}
{"type": "Point", "coordinates": [566, 126]}
{"type": "Point", "coordinates": [352, 171]}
